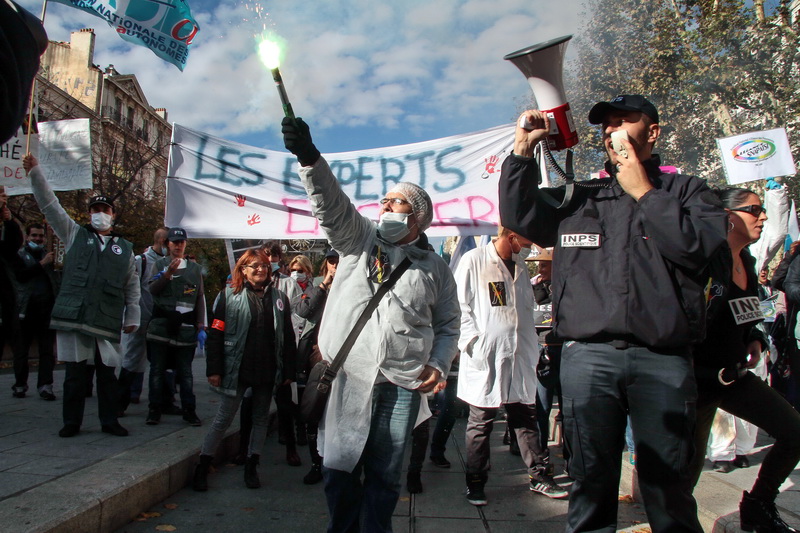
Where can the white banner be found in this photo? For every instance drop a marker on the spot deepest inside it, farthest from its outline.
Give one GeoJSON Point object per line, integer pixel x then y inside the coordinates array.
{"type": "Point", "coordinates": [756, 156]}
{"type": "Point", "coordinates": [11, 154]}
{"type": "Point", "coordinates": [65, 155]}
{"type": "Point", "coordinates": [221, 189]}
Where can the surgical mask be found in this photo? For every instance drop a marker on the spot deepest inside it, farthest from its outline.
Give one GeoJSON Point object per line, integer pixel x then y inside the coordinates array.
{"type": "Point", "coordinates": [298, 276]}
{"type": "Point", "coordinates": [524, 253]}
{"type": "Point", "coordinates": [34, 245]}
{"type": "Point", "coordinates": [101, 221]}
{"type": "Point", "coordinates": [275, 266]}
{"type": "Point", "coordinates": [393, 226]}
{"type": "Point", "coordinates": [164, 250]}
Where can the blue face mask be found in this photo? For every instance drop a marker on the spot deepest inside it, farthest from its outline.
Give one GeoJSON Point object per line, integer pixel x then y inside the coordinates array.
{"type": "Point", "coordinates": [393, 226]}
{"type": "Point", "coordinates": [275, 266]}
{"type": "Point", "coordinates": [34, 246]}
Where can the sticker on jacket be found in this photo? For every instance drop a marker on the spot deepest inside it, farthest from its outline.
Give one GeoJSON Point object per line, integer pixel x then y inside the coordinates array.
{"type": "Point", "coordinates": [497, 293]}
{"type": "Point", "coordinates": [218, 324]}
{"type": "Point", "coordinates": [189, 290]}
{"type": "Point", "coordinates": [580, 240]}
{"type": "Point", "coordinates": [379, 266]}
{"type": "Point", "coordinates": [747, 309]}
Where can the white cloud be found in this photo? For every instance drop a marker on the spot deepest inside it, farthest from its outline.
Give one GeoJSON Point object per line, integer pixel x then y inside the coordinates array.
{"type": "Point", "coordinates": [419, 67]}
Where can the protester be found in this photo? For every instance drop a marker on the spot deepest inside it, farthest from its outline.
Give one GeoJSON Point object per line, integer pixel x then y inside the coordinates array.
{"type": "Point", "coordinates": [499, 352]}
{"type": "Point", "coordinates": [177, 325]}
{"type": "Point", "coordinates": [37, 287]}
{"type": "Point", "coordinates": [628, 287]}
{"type": "Point", "coordinates": [404, 349]}
{"type": "Point", "coordinates": [99, 274]}
{"type": "Point", "coordinates": [548, 369]}
{"type": "Point", "coordinates": [291, 428]}
{"type": "Point", "coordinates": [250, 345]}
{"type": "Point", "coordinates": [134, 358]}
{"type": "Point", "coordinates": [732, 347]}
{"type": "Point", "coordinates": [10, 241]}
{"type": "Point", "coordinates": [310, 306]}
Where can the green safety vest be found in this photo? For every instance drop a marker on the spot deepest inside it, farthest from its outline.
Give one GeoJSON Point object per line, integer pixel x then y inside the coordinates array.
{"type": "Point", "coordinates": [178, 292]}
{"type": "Point", "coordinates": [92, 295]}
{"type": "Point", "coordinates": [237, 324]}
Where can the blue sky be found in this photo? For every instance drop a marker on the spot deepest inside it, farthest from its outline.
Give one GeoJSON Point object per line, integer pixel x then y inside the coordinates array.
{"type": "Point", "coordinates": [364, 74]}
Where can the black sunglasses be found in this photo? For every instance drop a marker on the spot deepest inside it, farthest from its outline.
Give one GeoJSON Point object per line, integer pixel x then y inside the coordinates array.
{"type": "Point", "coordinates": [754, 210]}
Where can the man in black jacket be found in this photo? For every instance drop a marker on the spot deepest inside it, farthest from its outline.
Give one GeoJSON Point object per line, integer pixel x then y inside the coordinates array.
{"type": "Point", "coordinates": [628, 301]}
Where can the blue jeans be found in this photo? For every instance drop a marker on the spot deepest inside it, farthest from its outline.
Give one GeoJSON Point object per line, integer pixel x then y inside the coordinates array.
{"type": "Point", "coordinates": [159, 353]}
{"type": "Point", "coordinates": [394, 411]}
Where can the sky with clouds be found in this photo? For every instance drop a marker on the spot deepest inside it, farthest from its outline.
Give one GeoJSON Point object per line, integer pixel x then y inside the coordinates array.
{"type": "Point", "coordinates": [363, 74]}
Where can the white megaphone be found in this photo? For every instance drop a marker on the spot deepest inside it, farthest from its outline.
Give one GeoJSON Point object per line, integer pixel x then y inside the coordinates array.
{"type": "Point", "coordinates": [543, 64]}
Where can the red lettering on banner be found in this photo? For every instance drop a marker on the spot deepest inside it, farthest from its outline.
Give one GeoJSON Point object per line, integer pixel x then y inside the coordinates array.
{"type": "Point", "coordinates": [454, 213]}
{"type": "Point", "coordinates": [300, 218]}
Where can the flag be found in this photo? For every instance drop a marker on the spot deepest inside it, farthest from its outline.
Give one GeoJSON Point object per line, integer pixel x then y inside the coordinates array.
{"type": "Point", "coordinates": [166, 27]}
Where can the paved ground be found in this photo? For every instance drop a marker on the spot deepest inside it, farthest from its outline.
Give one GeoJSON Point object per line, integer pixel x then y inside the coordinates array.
{"type": "Point", "coordinates": [99, 483]}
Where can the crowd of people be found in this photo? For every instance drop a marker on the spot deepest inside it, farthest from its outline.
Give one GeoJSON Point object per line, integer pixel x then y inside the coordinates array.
{"type": "Point", "coordinates": [645, 316]}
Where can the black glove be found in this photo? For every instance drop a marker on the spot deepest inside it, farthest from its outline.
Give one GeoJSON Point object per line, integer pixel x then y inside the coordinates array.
{"type": "Point", "coordinates": [297, 139]}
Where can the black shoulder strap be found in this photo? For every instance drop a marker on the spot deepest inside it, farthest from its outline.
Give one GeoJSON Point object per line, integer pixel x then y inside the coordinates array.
{"type": "Point", "coordinates": [365, 314]}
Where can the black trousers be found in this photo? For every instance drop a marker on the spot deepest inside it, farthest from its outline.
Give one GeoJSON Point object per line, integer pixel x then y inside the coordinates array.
{"type": "Point", "coordinates": [751, 399]}
{"type": "Point", "coordinates": [75, 391]}
{"type": "Point", "coordinates": [35, 326]}
{"type": "Point", "coordinates": [601, 386]}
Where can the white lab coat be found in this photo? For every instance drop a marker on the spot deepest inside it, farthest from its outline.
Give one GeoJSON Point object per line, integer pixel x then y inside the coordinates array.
{"type": "Point", "coordinates": [498, 343]}
{"type": "Point", "coordinates": [415, 323]}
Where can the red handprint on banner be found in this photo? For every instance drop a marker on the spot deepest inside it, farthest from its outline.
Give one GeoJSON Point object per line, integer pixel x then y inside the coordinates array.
{"type": "Point", "coordinates": [253, 219]}
{"type": "Point", "coordinates": [491, 164]}
{"type": "Point", "coordinates": [240, 200]}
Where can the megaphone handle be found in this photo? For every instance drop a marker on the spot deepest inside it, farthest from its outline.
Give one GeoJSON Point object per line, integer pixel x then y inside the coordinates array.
{"type": "Point", "coordinates": [569, 177]}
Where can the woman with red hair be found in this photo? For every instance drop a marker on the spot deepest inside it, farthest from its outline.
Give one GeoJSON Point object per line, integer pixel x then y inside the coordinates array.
{"type": "Point", "coordinates": [250, 344]}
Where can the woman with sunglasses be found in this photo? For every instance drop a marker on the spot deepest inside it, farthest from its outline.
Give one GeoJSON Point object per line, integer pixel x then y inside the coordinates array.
{"type": "Point", "coordinates": [250, 344]}
{"type": "Point", "coordinates": [732, 346]}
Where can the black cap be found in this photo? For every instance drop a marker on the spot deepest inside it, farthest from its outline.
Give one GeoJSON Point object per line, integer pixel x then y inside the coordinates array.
{"type": "Point", "coordinates": [101, 200]}
{"type": "Point", "coordinates": [623, 102]}
{"type": "Point", "coordinates": [176, 234]}
{"type": "Point", "coordinates": [331, 253]}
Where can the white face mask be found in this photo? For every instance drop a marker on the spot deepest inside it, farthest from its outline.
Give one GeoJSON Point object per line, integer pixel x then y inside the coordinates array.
{"type": "Point", "coordinates": [393, 226]}
{"type": "Point", "coordinates": [524, 253]}
{"type": "Point", "coordinates": [298, 276]}
{"type": "Point", "coordinates": [33, 245]}
{"type": "Point", "coordinates": [101, 221]}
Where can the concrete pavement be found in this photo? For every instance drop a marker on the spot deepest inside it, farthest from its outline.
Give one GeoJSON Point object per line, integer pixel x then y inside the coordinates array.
{"type": "Point", "coordinates": [100, 483]}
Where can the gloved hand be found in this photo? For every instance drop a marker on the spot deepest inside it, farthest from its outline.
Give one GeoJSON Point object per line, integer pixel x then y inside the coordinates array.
{"type": "Point", "coordinates": [201, 338]}
{"type": "Point", "coordinates": [297, 139]}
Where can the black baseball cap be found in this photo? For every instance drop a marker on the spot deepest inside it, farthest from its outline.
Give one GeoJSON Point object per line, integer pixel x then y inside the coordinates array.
{"type": "Point", "coordinates": [623, 102]}
{"type": "Point", "coordinates": [101, 200]}
{"type": "Point", "coordinates": [331, 253]}
{"type": "Point", "coordinates": [176, 234]}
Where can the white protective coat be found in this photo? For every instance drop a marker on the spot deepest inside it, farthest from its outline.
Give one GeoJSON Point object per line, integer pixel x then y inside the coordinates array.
{"type": "Point", "coordinates": [415, 324]}
{"type": "Point", "coordinates": [498, 344]}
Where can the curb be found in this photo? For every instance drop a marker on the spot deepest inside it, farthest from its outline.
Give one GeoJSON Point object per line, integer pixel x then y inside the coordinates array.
{"type": "Point", "coordinates": [107, 495]}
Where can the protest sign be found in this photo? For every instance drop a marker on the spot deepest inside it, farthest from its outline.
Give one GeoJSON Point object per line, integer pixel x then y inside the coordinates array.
{"type": "Point", "coordinates": [756, 156]}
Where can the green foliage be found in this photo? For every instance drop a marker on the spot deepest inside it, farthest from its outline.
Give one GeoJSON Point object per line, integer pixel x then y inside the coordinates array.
{"type": "Point", "coordinates": [714, 68]}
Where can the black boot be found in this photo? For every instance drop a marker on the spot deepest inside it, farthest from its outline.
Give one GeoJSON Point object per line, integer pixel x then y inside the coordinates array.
{"type": "Point", "coordinates": [761, 516]}
{"type": "Point", "coordinates": [200, 481]}
{"type": "Point", "coordinates": [314, 475]}
{"type": "Point", "coordinates": [413, 482]}
{"type": "Point", "coordinates": [250, 472]}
